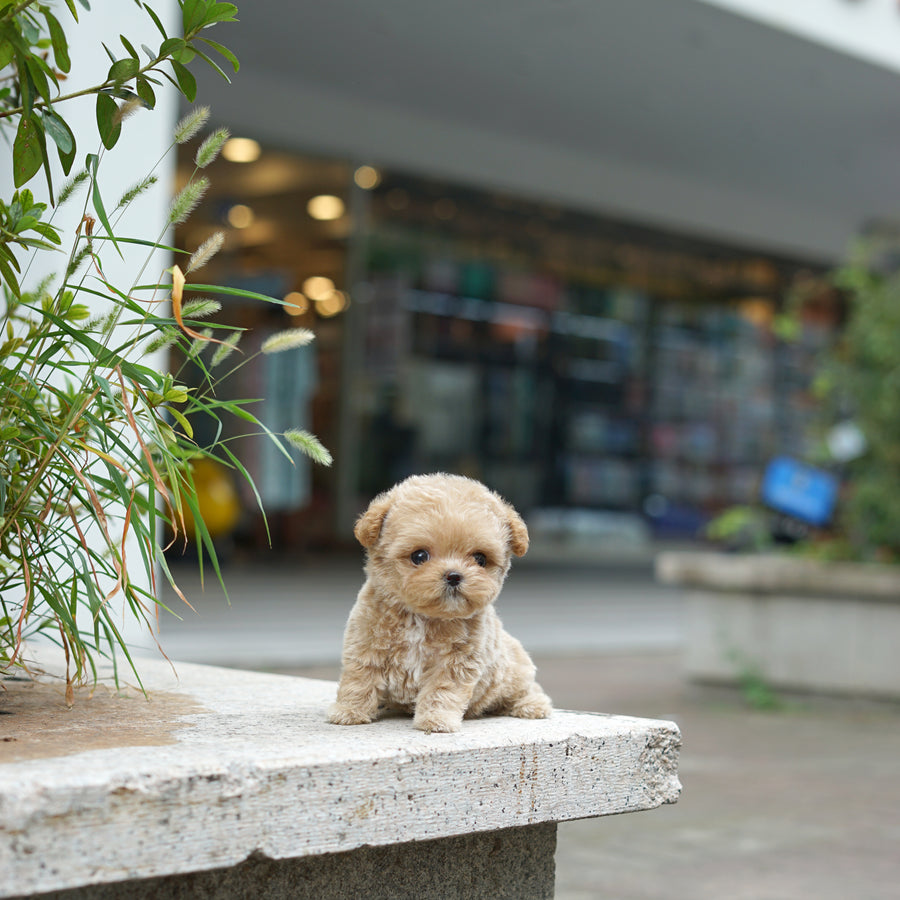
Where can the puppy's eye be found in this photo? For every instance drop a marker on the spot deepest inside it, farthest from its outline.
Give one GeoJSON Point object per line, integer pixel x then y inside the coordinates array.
{"type": "Point", "coordinates": [419, 556]}
{"type": "Point", "coordinates": [480, 558]}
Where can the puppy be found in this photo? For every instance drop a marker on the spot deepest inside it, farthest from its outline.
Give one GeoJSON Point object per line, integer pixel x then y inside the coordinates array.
{"type": "Point", "coordinates": [423, 636]}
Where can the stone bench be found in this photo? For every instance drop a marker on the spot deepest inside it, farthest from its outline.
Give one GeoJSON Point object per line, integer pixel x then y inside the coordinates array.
{"type": "Point", "coordinates": [233, 784]}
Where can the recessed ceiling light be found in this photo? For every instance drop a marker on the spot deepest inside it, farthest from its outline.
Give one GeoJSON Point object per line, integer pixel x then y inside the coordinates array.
{"type": "Point", "coordinates": [367, 177]}
{"type": "Point", "coordinates": [240, 216]}
{"type": "Point", "coordinates": [295, 304]}
{"type": "Point", "coordinates": [318, 287]}
{"type": "Point", "coordinates": [325, 207]}
{"type": "Point", "coordinates": [241, 150]}
{"type": "Point", "coordinates": [331, 305]}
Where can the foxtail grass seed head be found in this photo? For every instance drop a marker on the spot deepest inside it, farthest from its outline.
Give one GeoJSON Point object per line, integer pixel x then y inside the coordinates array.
{"type": "Point", "coordinates": [224, 350]}
{"type": "Point", "coordinates": [128, 108]}
{"type": "Point", "coordinates": [136, 190]}
{"type": "Point", "coordinates": [102, 323]}
{"type": "Point", "coordinates": [198, 345]}
{"type": "Point", "coordinates": [191, 124]}
{"type": "Point", "coordinates": [77, 261]}
{"type": "Point", "coordinates": [186, 201]}
{"type": "Point", "coordinates": [287, 340]}
{"type": "Point", "coordinates": [309, 444]}
{"type": "Point", "coordinates": [200, 308]}
{"type": "Point", "coordinates": [165, 338]}
{"type": "Point", "coordinates": [210, 147]}
{"type": "Point", "coordinates": [71, 186]}
{"type": "Point", "coordinates": [206, 251]}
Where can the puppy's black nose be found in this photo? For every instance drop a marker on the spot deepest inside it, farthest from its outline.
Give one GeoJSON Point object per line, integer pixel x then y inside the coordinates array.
{"type": "Point", "coordinates": [453, 578]}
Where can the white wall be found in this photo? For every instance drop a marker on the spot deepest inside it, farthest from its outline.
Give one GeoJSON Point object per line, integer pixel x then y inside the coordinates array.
{"type": "Point", "coordinates": [145, 139]}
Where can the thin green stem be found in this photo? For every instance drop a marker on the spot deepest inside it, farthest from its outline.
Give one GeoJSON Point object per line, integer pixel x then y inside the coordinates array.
{"type": "Point", "coordinates": [84, 92]}
{"type": "Point", "coordinates": [13, 11]}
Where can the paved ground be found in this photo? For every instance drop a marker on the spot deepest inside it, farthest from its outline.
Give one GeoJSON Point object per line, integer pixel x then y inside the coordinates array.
{"type": "Point", "coordinates": [284, 615]}
{"type": "Point", "coordinates": [788, 804]}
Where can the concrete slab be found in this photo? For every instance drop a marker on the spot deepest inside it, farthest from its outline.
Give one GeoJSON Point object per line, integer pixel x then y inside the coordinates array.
{"type": "Point", "coordinates": [246, 765]}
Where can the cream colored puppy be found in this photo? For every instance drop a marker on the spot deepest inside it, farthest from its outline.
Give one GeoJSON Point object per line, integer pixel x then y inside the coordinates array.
{"type": "Point", "coordinates": [423, 636]}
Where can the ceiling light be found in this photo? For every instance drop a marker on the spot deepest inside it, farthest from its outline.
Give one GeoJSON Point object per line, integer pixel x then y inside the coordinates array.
{"type": "Point", "coordinates": [318, 287]}
{"type": "Point", "coordinates": [295, 304]}
{"type": "Point", "coordinates": [240, 216]}
{"type": "Point", "coordinates": [241, 150]}
{"type": "Point", "coordinates": [331, 305]}
{"type": "Point", "coordinates": [325, 207]}
{"type": "Point", "coordinates": [367, 177]}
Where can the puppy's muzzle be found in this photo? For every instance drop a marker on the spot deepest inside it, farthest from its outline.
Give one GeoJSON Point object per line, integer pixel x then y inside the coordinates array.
{"type": "Point", "coordinates": [454, 579]}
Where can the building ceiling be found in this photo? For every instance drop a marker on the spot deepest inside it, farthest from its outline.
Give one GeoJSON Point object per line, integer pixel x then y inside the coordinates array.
{"type": "Point", "coordinates": [675, 88]}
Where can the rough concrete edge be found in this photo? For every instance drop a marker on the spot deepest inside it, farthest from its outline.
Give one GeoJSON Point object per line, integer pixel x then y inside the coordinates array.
{"type": "Point", "coordinates": [648, 771]}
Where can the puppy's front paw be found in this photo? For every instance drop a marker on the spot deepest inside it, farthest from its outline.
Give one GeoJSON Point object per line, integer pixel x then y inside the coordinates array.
{"type": "Point", "coordinates": [436, 723]}
{"type": "Point", "coordinates": [341, 714]}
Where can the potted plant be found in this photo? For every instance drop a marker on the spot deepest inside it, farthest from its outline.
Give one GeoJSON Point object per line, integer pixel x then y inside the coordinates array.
{"type": "Point", "coordinates": [823, 615]}
{"type": "Point", "coordinates": [96, 445]}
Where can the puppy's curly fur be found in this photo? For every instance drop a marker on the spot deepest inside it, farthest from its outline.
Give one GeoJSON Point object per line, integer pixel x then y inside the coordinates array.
{"type": "Point", "coordinates": [423, 636]}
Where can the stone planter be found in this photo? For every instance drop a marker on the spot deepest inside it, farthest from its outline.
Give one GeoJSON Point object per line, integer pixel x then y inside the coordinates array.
{"type": "Point", "coordinates": [797, 623]}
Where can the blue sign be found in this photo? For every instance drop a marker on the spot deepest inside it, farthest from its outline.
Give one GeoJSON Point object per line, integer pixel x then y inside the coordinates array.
{"type": "Point", "coordinates": [799, 490]}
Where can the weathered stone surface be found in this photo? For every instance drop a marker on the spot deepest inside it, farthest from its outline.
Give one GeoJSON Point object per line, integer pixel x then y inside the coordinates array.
{"type": "Point", "coordinates": [513, 864]}
{"type": "Point", "coordinates": [257, 770]}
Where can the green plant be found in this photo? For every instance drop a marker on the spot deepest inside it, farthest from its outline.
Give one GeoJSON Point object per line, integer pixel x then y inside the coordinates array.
{"type": "Point", "coordinates": [860, 378]}
{"type": "Point", "coordinates": [96, 447]}
{"type": "Point", "coordinates": [754, 687]}
{"type": "Point", "coordinates": [741, 526]}
{"type": "Point", "coordinates": [858, 387]}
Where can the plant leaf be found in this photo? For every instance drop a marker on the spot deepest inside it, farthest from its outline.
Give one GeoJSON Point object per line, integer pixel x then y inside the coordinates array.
{"type": "Point", "coordinates": [6, 48]}
{"type": "Point", "coordinates": [123, 70]}
{"type": "Point", "coordinates": [170, 46]}
{"type": "Point", "coordinates": [9, 277]}
{"type": "Point", "coordinates": [127, 45]}
{"type": "Point", "coordinates": [224, 51]}
{"type": "Point", "coordinates": [182, 421]}
{"type": "Point", "coordinates": [58, 40]}
{"type": "Point", "coordinates": [220, 12]}
{"type": "Point", "coordinates": [145, 92]}
{"type": "Point", "coordinates": [26, 150]}
{"type": "Point", "coordinates": [186, 82]}
{"type": "Point", "coordinates": [38, 77]}
{"type": "Point", "coordinates": [59, 131]}
{"type": "Point", "coordinates": [156, 21]}
{"type": "Point", "coordinates": [107, 124]}
{"type": "Point", "coordinates": [101, 214]}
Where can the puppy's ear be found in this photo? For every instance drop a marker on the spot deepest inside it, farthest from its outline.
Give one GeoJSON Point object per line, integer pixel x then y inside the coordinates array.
{"type": "Point", "coordinates": [368, 526]}
{"type": "Point", "coordinates": [518, 533]}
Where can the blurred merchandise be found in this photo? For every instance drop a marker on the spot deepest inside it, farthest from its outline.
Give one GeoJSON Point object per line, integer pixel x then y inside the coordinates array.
{"type": "Point", "coordinates": [600, 363]}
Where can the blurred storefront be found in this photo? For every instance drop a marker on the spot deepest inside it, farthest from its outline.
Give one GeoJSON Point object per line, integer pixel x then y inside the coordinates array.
{"type": "Point", "coordinates": [584, 367]}
{"type": "Point", "coordinates": [287, 232]}
{"type": "Point", "coordinates": [567, 273]}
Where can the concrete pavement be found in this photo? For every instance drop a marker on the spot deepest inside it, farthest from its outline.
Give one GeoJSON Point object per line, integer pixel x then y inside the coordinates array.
{"type": "Point", "coordinates": [288, 615]}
